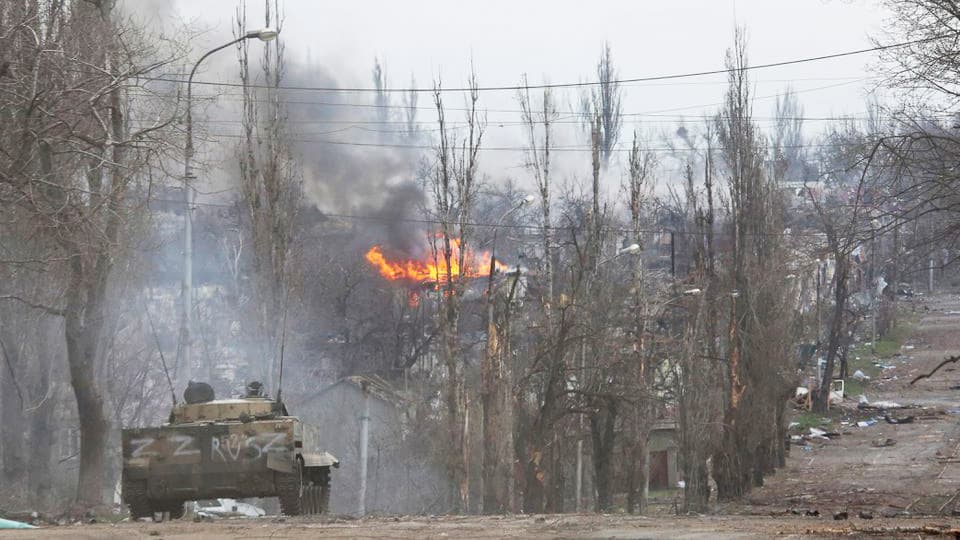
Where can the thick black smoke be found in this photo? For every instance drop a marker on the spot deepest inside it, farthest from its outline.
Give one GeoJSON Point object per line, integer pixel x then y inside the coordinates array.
{"type": "Point", "coordinates": [352, 165]}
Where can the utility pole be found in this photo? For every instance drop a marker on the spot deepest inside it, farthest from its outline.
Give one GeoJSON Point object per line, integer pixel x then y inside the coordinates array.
{"type": "Point", "coordinates": [364, 441]}
{"type": "Point", "coordinates": [579, 496]}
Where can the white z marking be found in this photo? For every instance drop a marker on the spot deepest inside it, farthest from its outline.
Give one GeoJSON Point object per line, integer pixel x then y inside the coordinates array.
{"type": "Point", "coordinates": [140, 446]}
{"type": "Point", "coordinates": [185, 441]}
{"type": "Point", "coordinates": [277, 437]}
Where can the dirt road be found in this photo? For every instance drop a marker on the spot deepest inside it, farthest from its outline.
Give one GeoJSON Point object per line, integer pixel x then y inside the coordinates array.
{"type": "Point", "coordinates": [920, 472]}
{"type": "Point", "coordinates": [534, 527]}
{"type": "Point", "coordinates": [907, 487]}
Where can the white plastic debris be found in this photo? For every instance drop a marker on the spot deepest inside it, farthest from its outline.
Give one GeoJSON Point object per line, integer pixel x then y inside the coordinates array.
{"type": "Point", "coordinates": [818, 433]}
{"type": "Point", "coordinates": [10, 524]}
{"type": "Point", "coordinates": [887, 405]}
{"type": "Point", "coordinates": [233, 507]}
{"type": "Point", "coordinates": [860, 376]}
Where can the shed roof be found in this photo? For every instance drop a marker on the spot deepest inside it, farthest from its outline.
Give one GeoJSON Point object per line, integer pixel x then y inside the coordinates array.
{"type": "Point", "coordinates": [372, 384]}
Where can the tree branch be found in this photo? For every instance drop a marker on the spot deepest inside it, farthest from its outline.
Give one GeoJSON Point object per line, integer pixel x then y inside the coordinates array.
{"type": "Point", "coordinates": [947, 360]}
{"type": "Point", "coordinates": [59, 312]}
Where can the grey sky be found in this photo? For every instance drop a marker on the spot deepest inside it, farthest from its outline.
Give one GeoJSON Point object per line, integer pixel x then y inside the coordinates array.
{"type": "Point", "coordinates": [559, 41]}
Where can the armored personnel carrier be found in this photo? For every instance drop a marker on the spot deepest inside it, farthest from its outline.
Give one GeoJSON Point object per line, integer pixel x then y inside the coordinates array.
{"type": "Point", "coordinates": [236, 448]}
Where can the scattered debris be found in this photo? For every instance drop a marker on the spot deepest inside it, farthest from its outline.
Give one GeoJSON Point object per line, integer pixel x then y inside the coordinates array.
{"type": "Point", "coordinates": [818, 433]}
{"type": "Point", "coordinates": [935, 530]}
{"type": "Point", "coordinates": [894, 420]}
{"type": "Point", "coordinates": [812, 513]}
{"type": "Point", "coordinates": [865, 515]}
{"type": "Point", "coordinates": [881, 405]}
{"type": "Point", "coordinates": [231, 507]}
{"type": "Point", "coordinates": [866, 423]}
{"type": "Point", "coordinates": [840, 515]}
{"type": "Point", "coordinates": [883, 442]}
{"type": "Point", "coordinates": [860, 376]}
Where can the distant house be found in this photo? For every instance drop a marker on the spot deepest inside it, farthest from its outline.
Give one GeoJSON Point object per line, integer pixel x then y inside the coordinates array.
{"type": "Point", "coordinates": [663, 447]}
{"type": "Point", "coordinates": [400, 480]}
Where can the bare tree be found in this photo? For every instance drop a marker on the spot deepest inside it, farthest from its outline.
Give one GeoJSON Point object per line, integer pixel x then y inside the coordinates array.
{"type": "Point", "coordinates": [455, 183]}
{"type": "Point", "coordinates": [271, 187]}
{"type": "Point", "coordinates": [72, 161]}
{"type": "Point", "coordinates": [639, 415]}
{"type": "Point", "coordinates": [605, 101]}
{"type": "Point", "coordinates": [756, 259]}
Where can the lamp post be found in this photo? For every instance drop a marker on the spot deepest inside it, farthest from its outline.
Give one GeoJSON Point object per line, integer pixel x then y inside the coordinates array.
{"type": "Point", "coordinates": [491, 370]}
{"type": "Point", "coordinates": [578, 500]}
{"type": "Point", "coordinates": [264, 34]}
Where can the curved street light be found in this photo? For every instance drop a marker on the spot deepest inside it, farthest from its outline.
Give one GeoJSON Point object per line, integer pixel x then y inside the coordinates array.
{"type": "Point", "coordinates": [264, 34]}
{"type": "Point", "coordinates": [628, 250]}
{"type": "Point", "coordinates": [526, 200]}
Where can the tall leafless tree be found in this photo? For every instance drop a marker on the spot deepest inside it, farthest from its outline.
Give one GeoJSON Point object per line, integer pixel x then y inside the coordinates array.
{"type": "Point", "coordinates": [73, 160]}
{"type": "Point", "coordinates": [455, 182]}
{"type": "Point", "coordinates": [271, 188]}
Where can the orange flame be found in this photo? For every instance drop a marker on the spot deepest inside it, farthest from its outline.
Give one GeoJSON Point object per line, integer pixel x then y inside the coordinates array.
{"type": "Point", "coordinates": [432, 270]}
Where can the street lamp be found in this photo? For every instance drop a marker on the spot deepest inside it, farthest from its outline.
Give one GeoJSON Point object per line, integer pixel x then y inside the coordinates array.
{"type": "Point", "coordinates": [628, 250]}
{"type": "Point", "coordinates": [527, 200]}
{"type": "Point", "coordinates": [492, 367]}
{"type": "Point", "coordinates": [264, 34]}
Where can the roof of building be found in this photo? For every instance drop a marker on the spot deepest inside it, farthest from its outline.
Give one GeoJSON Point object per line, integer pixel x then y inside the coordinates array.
{"type": "Point", "coordinates": [372, 384]}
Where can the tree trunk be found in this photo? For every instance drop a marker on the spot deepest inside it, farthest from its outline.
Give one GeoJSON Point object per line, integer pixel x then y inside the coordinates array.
{"type": "Point", "coordinates": [555, 477]}
{"type": "Point", "coordinates": [41, 422]}
{"type": "Point", "coordinates": [12, 415]}
{"type": "Point", "coordinates": [781, 449]}
{"type": "Point", "coordinates": [492, 504]}
{"type": "Point", "coordinates": [603, 435]}
{"type": "Point", "coordinates": [454, 399]}
{"type": "Point", "coordinates": [696, 493]}
{"type": "Point", "coordinates": [497, 402]}
{"type": "Point", "coordinates": [636, 479]}
{"type": "Point", "coordinates": [83, 323]}
{"type": "Point", "coordinates": [821, 401]}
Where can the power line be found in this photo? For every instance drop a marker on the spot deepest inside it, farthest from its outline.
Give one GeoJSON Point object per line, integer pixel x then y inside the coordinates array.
{"type": "Point", "coordinates": [657, 119]}
{"type": "Point", "coordinates": [521, 148]}
{"type": "Point", "coordinates": [516, 226]}
{"type": "Point", "coordinates": [584, 84]}
{"type": "Point", "coordinates": [657, 113]}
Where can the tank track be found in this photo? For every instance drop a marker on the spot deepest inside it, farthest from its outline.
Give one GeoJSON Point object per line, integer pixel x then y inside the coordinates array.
{"type": "Point", "coordinates": [135, 495]}
{"type": "Point", "coordinates": [289, 492]}
{"type": "Point", "coordinates": [176, 509]}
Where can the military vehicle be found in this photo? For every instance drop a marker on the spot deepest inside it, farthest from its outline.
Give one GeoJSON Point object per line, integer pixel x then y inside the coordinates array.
{"type": "Point", "coordinates": [236, 448]}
